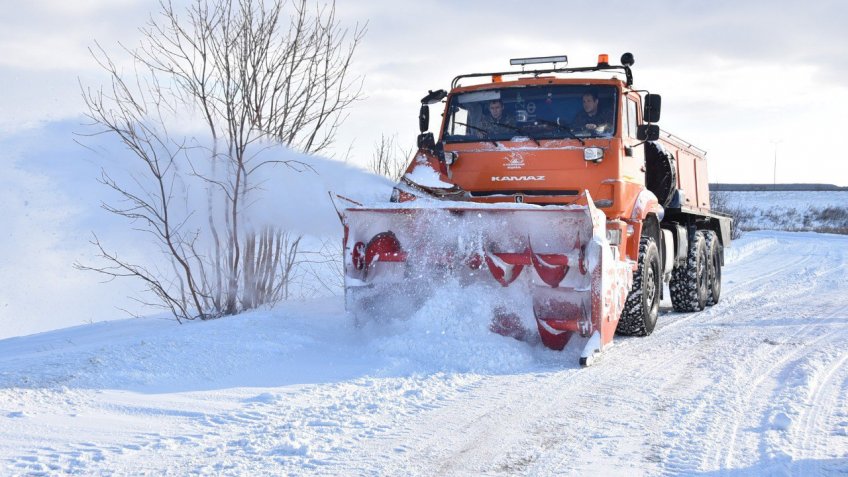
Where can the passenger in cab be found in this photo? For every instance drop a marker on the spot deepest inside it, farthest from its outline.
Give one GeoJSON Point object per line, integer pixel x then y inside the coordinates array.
{"type": "Point", "coordinates": [592, 118]}
{"type": "Point", "coordinates": [495, 122]}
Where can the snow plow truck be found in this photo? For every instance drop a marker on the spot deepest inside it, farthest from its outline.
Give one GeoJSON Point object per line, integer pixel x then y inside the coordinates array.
{"type": "Point", "coordinates": [554, 180]}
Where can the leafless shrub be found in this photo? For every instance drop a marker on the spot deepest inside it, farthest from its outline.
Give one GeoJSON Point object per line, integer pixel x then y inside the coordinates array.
{"type": "Point", "coordinates": [389, 159]}
{"type": "Point", "coordinates": [257, 74]}
{"type": "Point", "coordinates": [720, 202]}
{"type": "Point", "coordinates": [826, 219]}
{"type": "Point", "coordinates": [831, 214]}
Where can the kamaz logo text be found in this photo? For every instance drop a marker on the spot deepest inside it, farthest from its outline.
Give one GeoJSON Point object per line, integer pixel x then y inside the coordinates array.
{"type": "Point", "coordinates": [517, 178]}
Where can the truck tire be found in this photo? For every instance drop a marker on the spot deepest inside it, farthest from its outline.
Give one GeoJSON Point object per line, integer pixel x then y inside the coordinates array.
{"type": "Point", "coordinates": [714, 270]}
{"type": "Point", "coordinates": [642, 307]}
{"type": "Point", "coordinates": [688, 284]}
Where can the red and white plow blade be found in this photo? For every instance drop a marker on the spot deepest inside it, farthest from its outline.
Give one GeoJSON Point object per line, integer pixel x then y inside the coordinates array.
{"type": "Point", "coordinates": [395, 255]}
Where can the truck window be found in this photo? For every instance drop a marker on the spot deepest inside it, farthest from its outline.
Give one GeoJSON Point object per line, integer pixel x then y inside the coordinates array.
{"type": "Point", "coordinates": [539, 112]}
{"type": "Point", "coordinates": [459, 125]}
{"type": "Point", "coordinates": [631, 118]}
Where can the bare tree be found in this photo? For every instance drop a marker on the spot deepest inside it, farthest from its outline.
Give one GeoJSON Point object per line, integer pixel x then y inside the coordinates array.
{"type": "Point", "coordinates": [256, 74]}
{"type": "Point", "coordinates": [389, 159]}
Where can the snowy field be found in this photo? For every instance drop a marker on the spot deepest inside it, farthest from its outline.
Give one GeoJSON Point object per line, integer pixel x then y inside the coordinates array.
{"type": "Point", "coordinates": [823, 211]}
{"type": "Point", "coordinates": [788, 199]}
{"type": "Point", "coordinates": [756, 385]}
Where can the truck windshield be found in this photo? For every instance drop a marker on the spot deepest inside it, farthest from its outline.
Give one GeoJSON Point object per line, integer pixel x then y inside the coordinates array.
{"type": "Point", "coordinates": [538, 112]}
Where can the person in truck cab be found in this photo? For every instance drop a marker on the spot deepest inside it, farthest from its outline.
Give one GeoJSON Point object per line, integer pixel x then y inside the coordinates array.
{"type": "Point", "coordinates": [592, 118]}
{"type": "Point", "coordinates": [496, 123]}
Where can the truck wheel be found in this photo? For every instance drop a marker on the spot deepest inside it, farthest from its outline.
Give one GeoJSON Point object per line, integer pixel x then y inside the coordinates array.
{"type": "Point", "coordinates": [639, 316]}
{"type": "Point", "coordinates": [714, 269]}
{"type": "Point", "coordinates": [688, 284]}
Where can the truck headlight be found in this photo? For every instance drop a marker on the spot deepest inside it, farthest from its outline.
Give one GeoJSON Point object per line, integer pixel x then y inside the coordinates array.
{"type": "Point", "coordinates": [401, 196]}
{"type": "Point", "coordinates": [594, 154]}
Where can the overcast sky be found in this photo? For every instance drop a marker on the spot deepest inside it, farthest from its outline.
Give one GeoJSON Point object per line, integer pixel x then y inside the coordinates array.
{"type": "Point", "coordinates": [739, 79]}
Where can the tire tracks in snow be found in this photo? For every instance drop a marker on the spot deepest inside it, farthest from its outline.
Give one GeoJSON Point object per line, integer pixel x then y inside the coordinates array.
{"type": "Point", "coordinates": [537, 419]}
{"type": "Point", "coordinates": [822, 387]}
{"type": "Point", "coordinates": [748, 399]}
{"type": "Point", "coordinates": [745, 373]}
{"type": "Point", "coordinates": [468, 434]}
{"type": "Point", "coordinates": [517, 424]}
{"type": "Point", "coordinates": [702, 338]}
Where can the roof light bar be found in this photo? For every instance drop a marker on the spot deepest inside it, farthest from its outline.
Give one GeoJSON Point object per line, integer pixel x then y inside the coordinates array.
{"type": "Point", "coordinates": [539, 59]}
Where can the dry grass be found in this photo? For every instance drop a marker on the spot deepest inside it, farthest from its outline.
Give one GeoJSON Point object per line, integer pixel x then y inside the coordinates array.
{"type": "Point", "coordinates": [828, 219]}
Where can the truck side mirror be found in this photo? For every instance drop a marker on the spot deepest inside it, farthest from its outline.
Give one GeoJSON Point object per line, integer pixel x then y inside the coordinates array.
{"type": "Point", "coordinates": [424, 118]}
{"type": "Point", "coordinates": [653, 105]}
{"type": "Point", "coordinates": [431, 98]}
{"type": "Point", "coordinates": [648, 132]}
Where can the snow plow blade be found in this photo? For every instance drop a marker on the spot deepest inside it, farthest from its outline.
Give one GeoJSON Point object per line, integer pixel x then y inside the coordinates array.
{"type": "Point", "coordinates": [560, 254]}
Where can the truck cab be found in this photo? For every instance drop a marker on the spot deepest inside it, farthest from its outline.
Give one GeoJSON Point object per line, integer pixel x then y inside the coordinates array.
{"type": "Point", "coordinates": [547, 149]}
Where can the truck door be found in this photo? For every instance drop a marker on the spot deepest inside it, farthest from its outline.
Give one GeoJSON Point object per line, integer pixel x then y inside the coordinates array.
{"type": "Point", "coordinates": [630, 120]}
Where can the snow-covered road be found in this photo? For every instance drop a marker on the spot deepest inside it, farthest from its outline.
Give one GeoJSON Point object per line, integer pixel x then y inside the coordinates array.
{"type": "Point", "coordinates": [756, 385]}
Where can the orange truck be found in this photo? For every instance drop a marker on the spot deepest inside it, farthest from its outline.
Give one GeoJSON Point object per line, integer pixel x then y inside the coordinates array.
{"type": "Point", "coordinates": [557, 184]}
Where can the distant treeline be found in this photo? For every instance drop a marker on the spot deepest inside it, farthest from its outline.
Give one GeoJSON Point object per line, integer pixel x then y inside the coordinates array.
{"type": "Point", "coordinates": [783, 187]}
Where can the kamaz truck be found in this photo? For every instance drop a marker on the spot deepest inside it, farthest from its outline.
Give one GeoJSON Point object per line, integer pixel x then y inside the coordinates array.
{"type": "Point", "coordinates": [553, 179]}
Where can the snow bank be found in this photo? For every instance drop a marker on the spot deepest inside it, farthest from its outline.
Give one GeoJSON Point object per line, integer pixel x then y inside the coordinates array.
{"type": "Point", "coordinates": [49, 184]}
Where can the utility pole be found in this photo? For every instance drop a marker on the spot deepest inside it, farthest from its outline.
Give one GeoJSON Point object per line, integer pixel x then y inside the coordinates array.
{"type": "Point", "coordinates": [774, 172]}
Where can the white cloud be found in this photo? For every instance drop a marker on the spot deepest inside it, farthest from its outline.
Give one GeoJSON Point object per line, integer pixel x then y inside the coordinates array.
{"type": "Point", "coordinates": [50, 35]}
